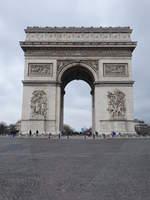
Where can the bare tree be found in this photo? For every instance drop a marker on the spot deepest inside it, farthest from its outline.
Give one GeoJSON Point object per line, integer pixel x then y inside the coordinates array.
{"type": "Point", "coordinates": [67, 130]}
{"type": "Point", "coordinates": [3, 128]}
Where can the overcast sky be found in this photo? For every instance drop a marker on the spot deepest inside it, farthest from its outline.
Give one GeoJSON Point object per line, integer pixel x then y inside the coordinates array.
{"type": "Point", "coordinates": [15, 15]}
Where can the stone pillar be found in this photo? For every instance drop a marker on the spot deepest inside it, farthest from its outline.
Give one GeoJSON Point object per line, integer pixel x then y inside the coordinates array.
{"type": "Point", "coordinates": [93, 110]}
{"type": "Point", "coordinates": [62, 109]}
{"type": "Point", "coordinates": [58, 108]}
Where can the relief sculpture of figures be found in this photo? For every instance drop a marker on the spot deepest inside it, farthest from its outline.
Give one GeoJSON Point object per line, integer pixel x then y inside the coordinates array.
{"type": "Point", "coordinates": [39, 103]}
{"type": "Point", "coordinates": [37, 69]}
{"type": "Point", "coordinates": [115, 69]}
{"type": "Point", "coordinates": [116, 104]}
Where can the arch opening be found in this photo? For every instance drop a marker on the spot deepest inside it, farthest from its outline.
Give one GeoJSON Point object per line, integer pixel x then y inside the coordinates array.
{"type": "Point", "coordinates": [76, 72]}
{"type": "Point", "coordinates": [78, 105]}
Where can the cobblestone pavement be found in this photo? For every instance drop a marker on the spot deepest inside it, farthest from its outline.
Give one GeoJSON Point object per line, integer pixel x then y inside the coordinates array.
{"type": "Point", "coordinates": [38, 169]}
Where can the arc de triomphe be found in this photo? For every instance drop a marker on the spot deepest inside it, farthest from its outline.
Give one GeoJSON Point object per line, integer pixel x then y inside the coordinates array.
{"type": "Point", "coordinates": [100, 56]}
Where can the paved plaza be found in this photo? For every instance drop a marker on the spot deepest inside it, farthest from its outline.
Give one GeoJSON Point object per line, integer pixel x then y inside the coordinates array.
{"type": "Point", "coordinates": [109, 169]}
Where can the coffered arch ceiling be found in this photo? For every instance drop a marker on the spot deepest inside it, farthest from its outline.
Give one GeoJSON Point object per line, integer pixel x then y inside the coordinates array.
{"type": "Point", "coordinates": [77, 72]}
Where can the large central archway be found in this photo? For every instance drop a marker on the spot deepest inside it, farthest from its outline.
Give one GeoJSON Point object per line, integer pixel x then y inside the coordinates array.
{"type": "Point", "coordinates": [76, 71]}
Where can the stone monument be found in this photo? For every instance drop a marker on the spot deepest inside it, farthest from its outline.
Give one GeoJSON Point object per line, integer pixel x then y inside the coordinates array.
{"type": "Point", "coordinates": [54, 56]}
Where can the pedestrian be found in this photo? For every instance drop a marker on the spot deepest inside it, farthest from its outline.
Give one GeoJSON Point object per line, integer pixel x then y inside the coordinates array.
{"type": "Point", "coordinates": [13, 133]}
{"type": "Point", "coordinates": [103, 134]}
{"type": "Point", "coordinates": [37, 132]}
{"type": "Point", "coordinates": [96, 133]}
{"type": "Point", "coordinates": [30, 133]}
{"type": "Point", "coordinates": [59, 135]}
{"type": "Point", "coordinates": [49, 136]}
{"type": "Point", "coordinates": [113, 133]}
{"type": "Point", "coordinates": [94, 136]}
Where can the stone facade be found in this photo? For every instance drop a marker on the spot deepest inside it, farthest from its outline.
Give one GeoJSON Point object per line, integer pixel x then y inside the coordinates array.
{"type": "Point", "coordinates": [99, 56]}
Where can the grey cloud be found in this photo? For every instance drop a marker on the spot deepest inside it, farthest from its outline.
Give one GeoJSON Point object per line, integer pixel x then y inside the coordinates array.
{"type": "Point", "coordinates": [78, 118]}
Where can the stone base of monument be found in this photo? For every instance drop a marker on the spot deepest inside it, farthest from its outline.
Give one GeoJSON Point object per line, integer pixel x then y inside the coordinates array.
{"type": "Point", "coordinates": [122, 127]}
{"type": "Point", "coordinates": [42, 126]}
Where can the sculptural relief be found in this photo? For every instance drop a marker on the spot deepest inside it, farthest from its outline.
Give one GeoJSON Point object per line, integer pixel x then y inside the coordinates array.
{"type": "Point", "coordinates": [116, 104]}
{"type": "Point", "coordinates": [39, 104]}
{"type": "Point", "coordinates": [41, 69]}
{"type": "Point", "coordinates": [115, 69]}
{"type": "Point", "coordinates": [92, 63]}
{"type": "Point", "coordinates": [78, 37]}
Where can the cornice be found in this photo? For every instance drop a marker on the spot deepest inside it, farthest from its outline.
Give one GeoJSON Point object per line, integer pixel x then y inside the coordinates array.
{"type": "Point", "coordinates": [114, 120]}
{"type": "Point", "coordinates": [25, 45]}
{"type": "Point", "coordinates": [36, 29]}
{"type": "Point", "coordinates": [40, 82]}
{"type": "Point", "coordinates": [114, 83]}
{"type": "Point", "coordinates": [97, 83]}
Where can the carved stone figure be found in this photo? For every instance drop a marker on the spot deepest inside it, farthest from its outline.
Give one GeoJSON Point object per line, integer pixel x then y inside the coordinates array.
{"type": "Point", "coordinates": [40, 69]}
{"type": "Point", "coordinates": [92, 63]}
{"type": "Point", "coordinates": [72, 36]}
{"type": "Point", "coordinates": [116, 69]}
{"type": "Point", "coordinates": [116, 104]}
{"type": "Point", "coordinates": [39, 103]}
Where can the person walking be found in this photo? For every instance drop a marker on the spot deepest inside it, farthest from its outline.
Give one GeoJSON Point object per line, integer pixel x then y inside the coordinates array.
{"type": "Point", "coordinates": [30, 133]}
{"type": "Point", "coordinates": [94, 136]}
{"type": "Point", "coordinates": [49, 136]}
{"type": "Point", "coordinates": [37, 132]}
{"type": "Point", "coordinates": [96, 133]}
{"type": "Point", "coordinates": [59, 135]}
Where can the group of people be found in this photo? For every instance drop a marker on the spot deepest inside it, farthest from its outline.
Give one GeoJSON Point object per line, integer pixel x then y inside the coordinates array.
{"type": "Point", "coordinates": [94, 135]}
{"type": "Point", "coordinates": [36, 133]}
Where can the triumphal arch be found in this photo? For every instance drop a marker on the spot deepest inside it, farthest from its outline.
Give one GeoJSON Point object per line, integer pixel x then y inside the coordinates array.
{"type": "Point", "coordinates": [54, 56]}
